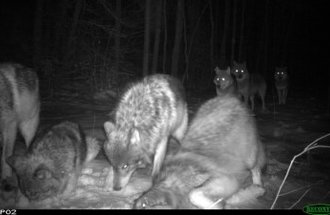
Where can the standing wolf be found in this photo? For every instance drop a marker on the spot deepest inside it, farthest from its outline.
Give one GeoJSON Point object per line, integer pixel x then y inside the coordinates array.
{"type": "Point", "coordinates": [281, 83]}
{"type": "Point", "coordinates": [149, 112]}
{"type": "Point", "coordinates": [217, 154]}
{"type": "Point", "coordinates": [249, 84]}
{"type": "Point", "coordinates": [19, 108]}
{"type": "Point", "coordinates": [224, 82]}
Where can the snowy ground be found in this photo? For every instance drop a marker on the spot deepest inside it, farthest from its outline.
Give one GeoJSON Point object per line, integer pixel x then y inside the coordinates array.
{"type": "Point", "coordinates": [285, 130]}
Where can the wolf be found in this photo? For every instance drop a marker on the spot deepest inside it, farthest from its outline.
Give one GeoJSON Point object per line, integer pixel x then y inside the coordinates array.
{"type": "Point", "coordinates": [149, 113]}
{"type": "Point", "coordinates": [281, 78]}
{"type": "Point", "coordinates": [249, 84]}
{"type": "Point", "coordinates": [53, 161]}
{"type": "Point", "coordinates": [218, 155]}
{"type": "Point", "coordinates": [19, 108]}
{"type": "Point", "coordinates": [224, 82]}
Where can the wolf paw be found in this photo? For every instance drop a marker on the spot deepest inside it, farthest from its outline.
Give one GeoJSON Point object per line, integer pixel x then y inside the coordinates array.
{"type": "Point", "coordinates": [153, 199]}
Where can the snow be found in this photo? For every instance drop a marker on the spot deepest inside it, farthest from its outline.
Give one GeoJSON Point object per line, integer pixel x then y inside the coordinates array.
{"type": "Point", "coordinates": [285, 131]}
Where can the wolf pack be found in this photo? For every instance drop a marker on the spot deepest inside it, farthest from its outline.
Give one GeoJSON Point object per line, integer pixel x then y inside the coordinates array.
{"type": "Point", "coordinates": [215, 160]}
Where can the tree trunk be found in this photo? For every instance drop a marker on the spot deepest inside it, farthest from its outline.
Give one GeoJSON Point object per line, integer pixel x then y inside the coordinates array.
{"type": "Point", "coordinates": [224, 36]}
{"type": "Point", "coordinates": [233, 38]}
{"type": "Point", "coordinates": [37, 33]}
{"type": "Point", "coordinates": [265, 66]}
{"type": "Point", "coordinates": [70, 48]}
{"type": "Point", "coordinates": [146, 38]}
{"type": "Point", "coordinates": [117, 38]}
{"type": "Point", "coordinates": [165, 38]}
{"type": "Point", "coordinates": [211, 36]}
{"type": "Point", "coordinates": [157, 35]}
{"type": "Point", "coordinates": [240, 55]}
{"type": "Point", "coordinates": [178, 36]}
{"type": "Point", "coordinates": [284, 54]}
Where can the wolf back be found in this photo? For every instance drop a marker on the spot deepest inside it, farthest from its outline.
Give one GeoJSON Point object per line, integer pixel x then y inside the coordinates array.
{"type": "Point", "coordinates": [149, 112]}
{"type": "Point", "coordinates": [19, 108]}
{"type": "Point", "coordinates": [220, 148]}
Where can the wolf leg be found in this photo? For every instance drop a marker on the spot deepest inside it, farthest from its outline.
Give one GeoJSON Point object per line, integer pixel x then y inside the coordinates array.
{"type": "Point", "coordinates": [252, 101]}
{"type": "Point", "coordinates": [181, 130]}
{"type": "Point", "coordinates": [218, 189]}
{"type": "Point", "coordinates": [159, 155]}
{"type": "Point", "coordinates": [256, 176]}
{"type": "Point", "coordinates": [28, 127]}
{"type": "Point", "coordinates": [8, 138]}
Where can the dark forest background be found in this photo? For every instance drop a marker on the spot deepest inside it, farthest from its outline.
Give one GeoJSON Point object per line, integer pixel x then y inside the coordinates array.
{"type": "Point", "coordinates": [102, 44]}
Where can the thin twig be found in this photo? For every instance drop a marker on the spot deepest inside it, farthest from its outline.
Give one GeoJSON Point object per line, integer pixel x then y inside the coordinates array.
{"type": "Point", "coordinates": [213, 204]}
{"type": "Point", "coordinates": [300, 198]}
{"type": "Point", "coordinates": [296, 156]}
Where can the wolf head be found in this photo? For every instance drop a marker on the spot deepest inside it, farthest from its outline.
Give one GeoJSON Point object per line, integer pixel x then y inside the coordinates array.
{"type": "Point", "coordinates": [240, 71]}
{"type": "Point", "coordinates": [223, 78]}
{"type": "Point", "coordinates": [124, 153]}
{"type": "Point", "coordinates": [36, 179]}
{"type": "Point", "coordinates": [281, 73]}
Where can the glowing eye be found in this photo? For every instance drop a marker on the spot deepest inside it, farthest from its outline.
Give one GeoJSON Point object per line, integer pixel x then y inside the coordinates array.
{"type": "Point", "coordinates": [144, 205]}
{"type": "Point", "coordinates": [242, 71]}
{"type": "Point", "coordinates": [236, 70]}
{"type": "Point", "coordinates": [223, 79]}
{"type": "Point", "coordinates": [124, 166]}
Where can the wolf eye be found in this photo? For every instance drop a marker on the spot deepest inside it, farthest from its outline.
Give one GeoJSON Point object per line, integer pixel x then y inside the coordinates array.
{"type": "Point", "coordinates": [236, 70]}
{"type": "Point", "coordinates": [223, 79]}
{"type": "Point", "coordinates": [124, 166]}
{"type": "Point", "coordinates": [242, 71]}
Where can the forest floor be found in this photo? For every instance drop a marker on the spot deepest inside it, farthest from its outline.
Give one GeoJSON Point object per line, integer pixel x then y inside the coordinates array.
{"type": "Point", "coordinates": [285, 131]}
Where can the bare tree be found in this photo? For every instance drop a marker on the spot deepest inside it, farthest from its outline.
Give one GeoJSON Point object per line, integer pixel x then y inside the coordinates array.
{"type": "Point", "coordinates": [233, 37]}
{"type": "Point", "coordinates": [225, 32]}
{"type": "Point", "coordinates": [157, 35]}
{"type": "Point", "coordinates": [146, 38]}
{"type": "Point", "coordinates": [178, 36]}
{"type": "Point", "coordinates": [37, 32]}
{"type": "Point", "coordinates": [117, 38]}
{"type": "Point", "coordinates": [70, 50]}
{"type": "Point", "coordinates": [211, 36]}
{"type": "Point", "coordinates": [165, 37]}
{"type": "Point", "coordinates": [240, 50]}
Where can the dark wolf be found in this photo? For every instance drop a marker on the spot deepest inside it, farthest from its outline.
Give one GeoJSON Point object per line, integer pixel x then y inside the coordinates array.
{"type": "Point", "coordinates": [53, 161]}
{"type": "Point", "coordinates": [224, 82]}
{"type": "Point", "coordinates": [281, 78]}
{"type": "Point", "coordinates": [19, 108]}
{"type": "Point", "coordinates": [218, 155]}
{"type": "Point", "coordinates": [249, 84]}
{"type": "Point", "coordinates": [149, 113]}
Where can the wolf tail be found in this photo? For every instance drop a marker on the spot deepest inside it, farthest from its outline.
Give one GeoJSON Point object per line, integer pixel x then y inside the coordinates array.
{"type": "Point", "coordinates": [246, 198]}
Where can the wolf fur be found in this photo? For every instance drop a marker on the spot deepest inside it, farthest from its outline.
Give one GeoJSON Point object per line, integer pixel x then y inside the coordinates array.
{"type": "Point", "coordinates": [224, 82]}
{"type": "Point", "coordinates": [149, 112]}
{"type": "Point", "coordinates": [281, 78]}
{"type": "Point", "coordinates": [53, 161]}
{"type": "Point", "coordinates": [217, 155]}
{"type": "Point", "coordinates": [249, 84]}
{"type": "Point", "coordinates": [19, 108]}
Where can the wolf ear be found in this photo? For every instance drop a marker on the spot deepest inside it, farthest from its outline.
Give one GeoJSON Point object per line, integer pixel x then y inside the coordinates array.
{"type": "Point", "coordinates": [14, 161]}
{"type": "Point", "coordinates": [135, 137]}
{"type": "Point", "coordinates": [228, 70]}
{"type": "Point", "coordinates": [217, 70]}
{"type": "Point", "coordinates": [108, 127]}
